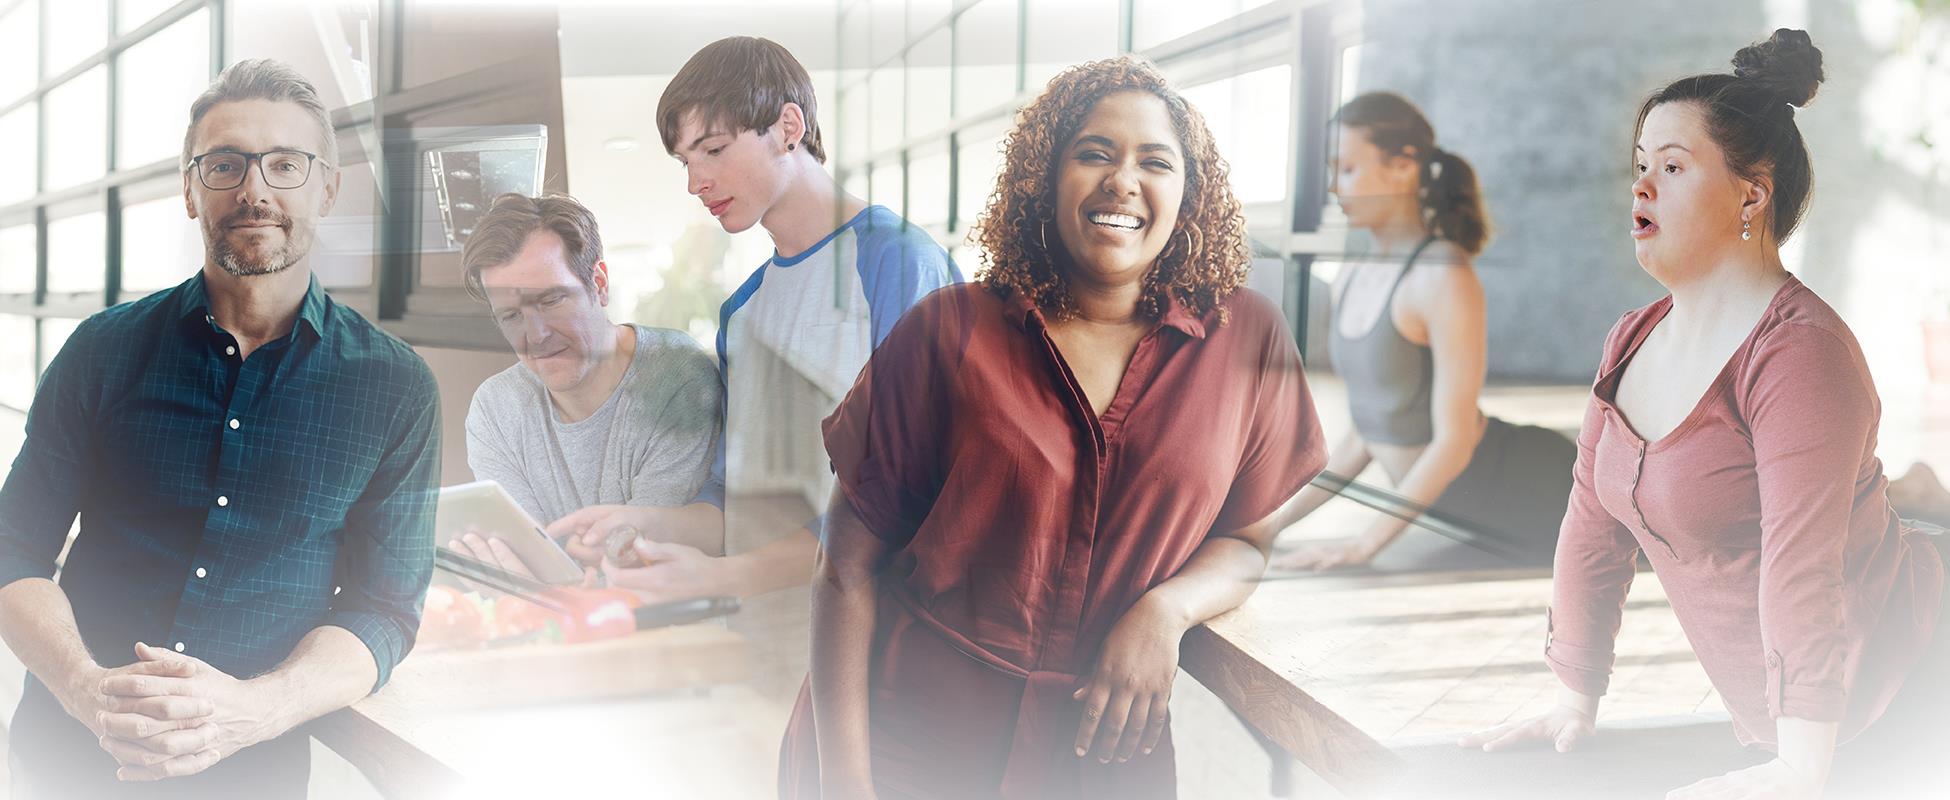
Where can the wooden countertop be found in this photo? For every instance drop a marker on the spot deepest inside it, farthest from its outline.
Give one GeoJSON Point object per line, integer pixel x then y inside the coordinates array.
{"type": "Point", "coordinates": [1337, 669]}
{"type": "Point", "coordinates": [659, 708]}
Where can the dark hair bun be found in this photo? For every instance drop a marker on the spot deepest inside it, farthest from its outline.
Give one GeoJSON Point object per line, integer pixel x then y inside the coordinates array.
{"type": "Point", "coordinates": [1788, 64]}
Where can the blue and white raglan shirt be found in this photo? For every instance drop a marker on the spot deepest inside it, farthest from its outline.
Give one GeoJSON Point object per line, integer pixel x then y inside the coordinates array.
{"type": "Point", "coordinates": [791, 341]}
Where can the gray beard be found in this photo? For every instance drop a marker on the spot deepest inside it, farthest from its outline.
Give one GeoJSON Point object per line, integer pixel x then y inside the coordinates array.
{"type": "Point", "coordinates": [235, 265]}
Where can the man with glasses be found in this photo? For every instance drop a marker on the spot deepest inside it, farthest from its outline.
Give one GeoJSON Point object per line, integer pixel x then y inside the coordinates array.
{"type": "Point", "coordinates": [254, 467]}
{"type": "Point", "coordinates": [596, 413]}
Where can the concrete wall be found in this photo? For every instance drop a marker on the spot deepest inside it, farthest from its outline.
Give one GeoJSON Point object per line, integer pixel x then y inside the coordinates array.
{"type": "Point", "coordinates": [1541, 97]}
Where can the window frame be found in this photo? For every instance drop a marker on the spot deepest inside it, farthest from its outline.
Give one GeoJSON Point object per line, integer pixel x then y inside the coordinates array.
{"type": "Point", "coordinates": [104, 192]}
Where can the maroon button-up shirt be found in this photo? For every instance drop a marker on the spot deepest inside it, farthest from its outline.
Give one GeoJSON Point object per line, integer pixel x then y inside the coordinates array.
{"type": "Point", "coordinates": [1025, 525]}
{"type": "Point", "coordinates": [1767, 518]}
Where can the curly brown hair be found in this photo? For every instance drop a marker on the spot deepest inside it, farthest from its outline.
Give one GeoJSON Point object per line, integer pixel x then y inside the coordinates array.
{"type": "Point", "coordinates": [1206, 257]}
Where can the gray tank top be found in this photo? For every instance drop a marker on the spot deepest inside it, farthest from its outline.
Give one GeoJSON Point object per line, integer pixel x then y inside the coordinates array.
{"type": "Point", "coordinates": [1389, 378]}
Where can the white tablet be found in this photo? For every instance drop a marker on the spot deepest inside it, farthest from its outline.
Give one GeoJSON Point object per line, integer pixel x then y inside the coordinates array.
{"type": "Point", "coordinates": [485, 506]}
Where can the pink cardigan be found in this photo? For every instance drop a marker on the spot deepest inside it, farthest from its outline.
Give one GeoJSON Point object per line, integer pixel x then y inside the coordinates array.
{"type": "Point", "coordinates": [1765, 515]}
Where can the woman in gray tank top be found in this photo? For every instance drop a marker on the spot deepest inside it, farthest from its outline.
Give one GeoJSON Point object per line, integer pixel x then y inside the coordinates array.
{"type": "Point", "coordinates": [1408, 339]}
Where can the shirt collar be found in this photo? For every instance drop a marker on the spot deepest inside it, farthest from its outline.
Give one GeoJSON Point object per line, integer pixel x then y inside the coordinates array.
{"type": "Point", "coordinates": [1022, 311]}
{"type": "Point", "coordinates": [193, 304]}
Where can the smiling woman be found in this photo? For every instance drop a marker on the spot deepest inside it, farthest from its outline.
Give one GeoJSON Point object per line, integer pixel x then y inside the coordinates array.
{"type": "Point", "coordinates": [1046, 478]}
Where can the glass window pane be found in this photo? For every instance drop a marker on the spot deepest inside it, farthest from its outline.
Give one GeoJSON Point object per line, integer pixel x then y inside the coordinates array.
{"type": "Point", "coordinates": [161, 245]}
{"type": "Point", "coordinates": [19, 38]}
{"type": "Point", "coordinates": [17, 373]}
{"type": "Point", "coordinates": [856, 184]}
{"type": "Point", "coordinates": [77, 253]}
{"type": "Point", "coordinates": [923, 14]}
{"type": "Point", "coordinates": [1350, 73]}
{"type": "Point", "coordinates": [54, 334]}
{"type": "Point", "coordinates": [76, 29]}
{"type": "Point", "coordinates": [885, 186]}
{"type": "Point", "coordinates": [886, 109]}
{"type": "Point", "coordinates": [342, 252]}
{"type": "Point", "coordinates": [887, 21]}
{"type": "Point", "coordinates": [979, 161]}
{"type": "Point", "coordinates": [985, 56]}
{"type": "Point", "coordinates": [1158, 21]}
{"type": "Point", "coordinates": [855, 30]}
{"type": "Point", "coordinates": [1251, 121]}
{"type": "Point", "coordinates": [928, 85]}
{"type": "Point", "coordinates": [160, 77]}
{"type": "Point", "coordinates": [79, 110]}
{"type": "Point", "coordinates": [848, 142]}
{"type": "Point", "coordinates": [17, 135]}
{"type": "Point", "coordinates": [132, 13]}
{"type": "Point", "coordinates": [17, 259]}
{"type": "Point", "coordinates": [927, 190]}
{"type": "Point", "coordinates": [1067, 33]}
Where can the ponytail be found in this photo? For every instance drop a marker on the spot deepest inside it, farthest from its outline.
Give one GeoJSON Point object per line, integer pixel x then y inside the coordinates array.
{"type": "Point", "coordinates": [1452, 202]}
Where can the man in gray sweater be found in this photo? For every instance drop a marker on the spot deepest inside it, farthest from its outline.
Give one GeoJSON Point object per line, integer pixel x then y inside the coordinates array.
{"type": "Point", "coordinates": [595, 413]}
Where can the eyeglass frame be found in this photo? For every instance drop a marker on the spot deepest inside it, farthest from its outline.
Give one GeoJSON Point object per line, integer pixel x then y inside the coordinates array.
{"type": "Point", "coordinates": [196, 166]}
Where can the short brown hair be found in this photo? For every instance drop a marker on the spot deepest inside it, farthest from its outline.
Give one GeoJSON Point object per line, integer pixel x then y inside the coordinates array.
{"type": "Point", "coordinates": [742, 83]}
{"type": "Point", "coordinates": [509, 221]}
{"type": "Point", "coordinates": [264, 79]}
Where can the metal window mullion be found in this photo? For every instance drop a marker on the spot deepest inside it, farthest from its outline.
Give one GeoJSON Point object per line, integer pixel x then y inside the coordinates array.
{"type": "Point", "coordinates": [112, 213]}
{"type": "Point", "coordinates": [40, 256]}
{"type": "Point", "coordinates": [1126, 25]}
{"type": "Point", "coordinates": [111, 194]}
{"type": "Point", "coordinates": [216, 37]}
{"type": "Point", "coordinates": [1022, 46]}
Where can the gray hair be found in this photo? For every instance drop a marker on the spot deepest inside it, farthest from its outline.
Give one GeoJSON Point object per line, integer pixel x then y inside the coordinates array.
{"type": "Point", "coordinates": [263, 79]}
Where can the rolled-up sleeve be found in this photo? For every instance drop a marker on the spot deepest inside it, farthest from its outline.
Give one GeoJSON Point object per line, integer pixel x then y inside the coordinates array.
{"type": "Point", "coordinates": [1811, 414]}
{"type": "Point", "coordinates": [1595, 562]}
{"type": "Point", "coordinates": [388, 559]}
{"type": "Point", "coordinates": [44, 489]}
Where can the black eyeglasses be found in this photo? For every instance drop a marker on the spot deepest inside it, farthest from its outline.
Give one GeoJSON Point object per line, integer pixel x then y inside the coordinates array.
{"type": "Point", "coordinates": [282, 169]}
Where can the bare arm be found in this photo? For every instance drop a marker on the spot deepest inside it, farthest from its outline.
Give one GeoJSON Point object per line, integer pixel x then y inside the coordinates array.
{"type": "Point", "coordinates": [1451, 300]}
{"type": "Point", "coordinates": [781, 564]}
{"type": "Point", "coordinates": [1348, 458]}
{"type": "Point", "coordinates": [844, 592]}
{"type": "Point", "coordinates": [330, 669]}
{"type": "Point", "coordinates": [38, 625]}
{"type": "Point", "coordinates": [1449, 304]}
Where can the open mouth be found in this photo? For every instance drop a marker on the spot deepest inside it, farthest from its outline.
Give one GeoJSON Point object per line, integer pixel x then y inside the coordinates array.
{"type": "Point", "coordinates": [1115, 221]}
{"type": "Point", "coordinates": [1643, 226]}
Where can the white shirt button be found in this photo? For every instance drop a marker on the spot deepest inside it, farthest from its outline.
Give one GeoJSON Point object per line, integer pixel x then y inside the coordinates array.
{"type": "Point", "coordinates": [234, 424]}
{"type": "Point", "coordinates": [335, 590]}
{"type": "Point", "coordinates": [223, 500]}
{"type": "Point", "coordinates": [179, 647]}
{"type": "Point", "coordinates": [202, 573]}
{"type": "Point", "coordinates": [230, 350]}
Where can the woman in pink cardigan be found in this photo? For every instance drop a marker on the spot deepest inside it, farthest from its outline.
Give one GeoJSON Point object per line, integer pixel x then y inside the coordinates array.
{"type": "Point", "coordinates": [1731, 438]}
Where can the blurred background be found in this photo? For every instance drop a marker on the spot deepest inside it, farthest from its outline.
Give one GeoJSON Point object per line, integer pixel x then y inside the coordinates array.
{"type": "Point", "coordinates": [914, 98]}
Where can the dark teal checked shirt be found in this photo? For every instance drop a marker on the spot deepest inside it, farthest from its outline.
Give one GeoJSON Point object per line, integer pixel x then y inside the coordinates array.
{"type": "Point", "coordinates": [229, 507]}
